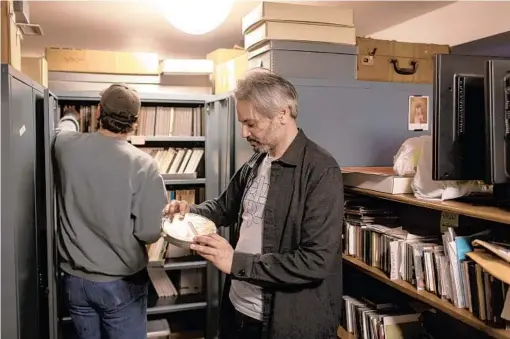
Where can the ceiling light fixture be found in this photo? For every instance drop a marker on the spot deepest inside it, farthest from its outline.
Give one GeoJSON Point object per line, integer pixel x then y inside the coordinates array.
{"type": "Point", "coordinates": [196, 17]}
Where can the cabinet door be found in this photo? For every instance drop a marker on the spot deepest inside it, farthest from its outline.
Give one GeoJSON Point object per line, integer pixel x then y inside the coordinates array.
{"type": "Point", "coordinates": [219, 145]}
{"type": "Point", "coordinates": [242, 149]}
{"type": "Point", "coordinates": [19, 262]}
{"type": "Point", "coordinates": [48, 130]}
{"type": "Point", "coordinates": [218, 169]}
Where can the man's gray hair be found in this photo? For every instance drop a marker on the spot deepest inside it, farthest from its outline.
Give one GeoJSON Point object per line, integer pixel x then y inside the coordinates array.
{"type": "Point", "coordinates": [268, 93]}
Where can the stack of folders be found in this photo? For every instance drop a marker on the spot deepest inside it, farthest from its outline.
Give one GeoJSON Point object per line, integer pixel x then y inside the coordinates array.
{"type": "Point", "coordinates": [368, 320]}
{"type": "Point", "coordinates": [190, 282]}
{"type": "Point", "coordinates": [162, 283]}
{"type": "Point", "coordinates": [436, 264]}
{"type": "Point", "coordinates": [174, 161]}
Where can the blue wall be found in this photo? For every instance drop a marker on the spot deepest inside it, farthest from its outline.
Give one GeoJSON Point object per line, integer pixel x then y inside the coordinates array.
{"type": "Point", "coordinates": [360, 123]}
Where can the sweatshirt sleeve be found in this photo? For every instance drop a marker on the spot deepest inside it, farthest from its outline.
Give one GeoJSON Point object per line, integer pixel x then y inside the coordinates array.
{"type": "Point", "coordinates": [148, 204]}
{"type": "Point", "coordinates": [67, 123]}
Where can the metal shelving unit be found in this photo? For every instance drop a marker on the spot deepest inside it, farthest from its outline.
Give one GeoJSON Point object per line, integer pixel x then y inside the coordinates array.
{"type": "Point", "coordinates": [172, 139]}
{"type": "Point", "coordinates": [184, 182]}
{"type": "Point", "coordinates": [184, 263]}
{"type": "Point", "coordinates": [208, 300]}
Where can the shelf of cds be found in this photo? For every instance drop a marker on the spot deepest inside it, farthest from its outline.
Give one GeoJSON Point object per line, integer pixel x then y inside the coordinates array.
{"type": "Point", "coordinates": [459, 264]}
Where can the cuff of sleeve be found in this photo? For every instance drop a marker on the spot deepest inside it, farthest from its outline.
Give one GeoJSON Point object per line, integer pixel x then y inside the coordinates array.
{"type": "Point", "coordinates": [193, 209]}
{"type": "Point", "coordinates": [241, 265]}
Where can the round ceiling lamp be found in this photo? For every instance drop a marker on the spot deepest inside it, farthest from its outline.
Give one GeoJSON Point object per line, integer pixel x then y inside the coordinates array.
{"type": "Point", "coordinates": [196, 17]}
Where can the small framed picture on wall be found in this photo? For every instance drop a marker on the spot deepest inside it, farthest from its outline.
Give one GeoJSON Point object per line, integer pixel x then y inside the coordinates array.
{"type": "Point", "coordinates": [418, 113]}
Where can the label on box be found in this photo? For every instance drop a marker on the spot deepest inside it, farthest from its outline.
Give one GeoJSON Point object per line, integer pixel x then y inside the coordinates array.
{"type": "Point", "coordinates": [449, 219]}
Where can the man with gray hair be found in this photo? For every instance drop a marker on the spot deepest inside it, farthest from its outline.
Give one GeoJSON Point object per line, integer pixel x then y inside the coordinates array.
{"type": "Point", "coordinates": [283, 267]}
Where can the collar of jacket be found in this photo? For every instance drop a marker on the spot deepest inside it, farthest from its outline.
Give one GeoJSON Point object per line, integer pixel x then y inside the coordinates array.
{"type": "Point", "coordinates": [292, 154]}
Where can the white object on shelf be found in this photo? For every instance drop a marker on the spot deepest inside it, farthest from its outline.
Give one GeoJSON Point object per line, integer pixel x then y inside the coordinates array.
{"type": "Point", "coordinates": [380, 179]}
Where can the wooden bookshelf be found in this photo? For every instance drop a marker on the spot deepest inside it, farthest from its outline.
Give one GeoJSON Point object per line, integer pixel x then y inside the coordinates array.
{"type": "Point", "coordinates": [428, 298]}
{"type": "Point", "coordinates": [343, 334]}
{"type": "Point", "coordinates": [462, 208]}
{"type": "Point", "coordinates": [496, 266]}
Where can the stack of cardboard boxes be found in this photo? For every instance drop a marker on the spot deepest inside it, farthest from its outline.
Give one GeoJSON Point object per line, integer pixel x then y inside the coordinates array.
{"type": "Point", "coordinates": [35, 67]}
{"type": "Point", "coordinates": [377, 60]}
{"type": "Point", "coordinates": [101, 62]}
{"type": "Point", "coordinates": [229, 66]}
{"type": "Point", "coordinates": [11, 36]}
{"type": "Point", "coordinates": [280, 21]}
{"type": "Point", "coordinates": [296, 22]}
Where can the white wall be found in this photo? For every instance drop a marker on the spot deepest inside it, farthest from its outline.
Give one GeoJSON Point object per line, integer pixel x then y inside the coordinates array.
{"type": "Point", "coordinates": [454, 24]}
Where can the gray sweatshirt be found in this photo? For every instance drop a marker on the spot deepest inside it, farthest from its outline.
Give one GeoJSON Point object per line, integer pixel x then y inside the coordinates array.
{"type": "Point", "coordinates": [111, 198]}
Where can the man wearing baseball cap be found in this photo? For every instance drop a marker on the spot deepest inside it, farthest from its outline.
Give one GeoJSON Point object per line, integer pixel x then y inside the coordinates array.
{"type": "Point", "coordinates": [110, 198]}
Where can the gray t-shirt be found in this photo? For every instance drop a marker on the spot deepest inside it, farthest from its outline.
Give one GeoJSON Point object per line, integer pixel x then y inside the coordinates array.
{"type": "Point", "coordinates": [111, 198]}
{"type": "Point", "coordinates": [245, 297]}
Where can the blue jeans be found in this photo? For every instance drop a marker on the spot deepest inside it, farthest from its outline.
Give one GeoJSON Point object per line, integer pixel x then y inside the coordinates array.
{"type": "Point", "coordinates": [113, 310]}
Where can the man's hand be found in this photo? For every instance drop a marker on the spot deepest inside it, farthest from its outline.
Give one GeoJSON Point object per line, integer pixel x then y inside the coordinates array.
{"type": "Point", "coordinates": [216, 249]}
{"type": "Point", "coordinates": [176, 207]}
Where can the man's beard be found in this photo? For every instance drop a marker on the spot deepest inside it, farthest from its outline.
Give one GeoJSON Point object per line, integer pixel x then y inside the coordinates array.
{"type": "Point", "coordinates": [258, 147]}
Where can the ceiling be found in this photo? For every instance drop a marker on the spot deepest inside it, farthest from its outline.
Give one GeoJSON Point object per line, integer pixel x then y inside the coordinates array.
{"type": "Point", "coordinates": [137, 26]}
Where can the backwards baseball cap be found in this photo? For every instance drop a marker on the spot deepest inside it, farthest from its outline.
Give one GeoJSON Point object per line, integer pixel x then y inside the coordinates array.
{"type": "Point", "coordinates": [121, 100]}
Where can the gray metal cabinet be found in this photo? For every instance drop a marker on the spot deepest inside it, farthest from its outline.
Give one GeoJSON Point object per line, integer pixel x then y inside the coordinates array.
{"type": "Point", "coordinates": [22, 291]}
{"type": "Point", "coordinates": [229, 150]}
{"type": "Point", "coordinates": [360, 123]}
{"type": "Point", "coordinates": [215, 140]}
{"type": "Point", "coordinates": [31, 299]}
{"type": "Point", "coordinates": [305, 60]}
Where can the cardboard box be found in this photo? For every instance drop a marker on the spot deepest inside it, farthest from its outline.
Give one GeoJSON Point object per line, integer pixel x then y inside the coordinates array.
{"type": "Point", "coordinates": [11, 36]}
{"type": "Point", "coordinates": [293, 31]}
{"type": "Point", "coordinates": [36, 69]}
{"type": "Point", "coordinates": [106, 62]}
{"type": "Point", "coordinates": [393, 61]}
{"type": "Point", "coordinates": [227, 74]}
{"type": "Point", "coordinates": [186, 66]}
{"type": "Point", "coordinates": [285, 12]}
{"type": "Point", "coordinates": [222, 55]}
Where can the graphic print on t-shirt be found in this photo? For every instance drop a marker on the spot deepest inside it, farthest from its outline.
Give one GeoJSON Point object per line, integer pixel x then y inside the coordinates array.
{"type": "Point", "coordinates": [245, 297]}
{"type": "Point", "coordinates": [255, 200]}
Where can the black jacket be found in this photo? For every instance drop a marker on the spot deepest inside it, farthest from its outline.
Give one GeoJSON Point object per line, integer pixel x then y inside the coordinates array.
{"type": "Point", "coordinates": [300, 268]}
